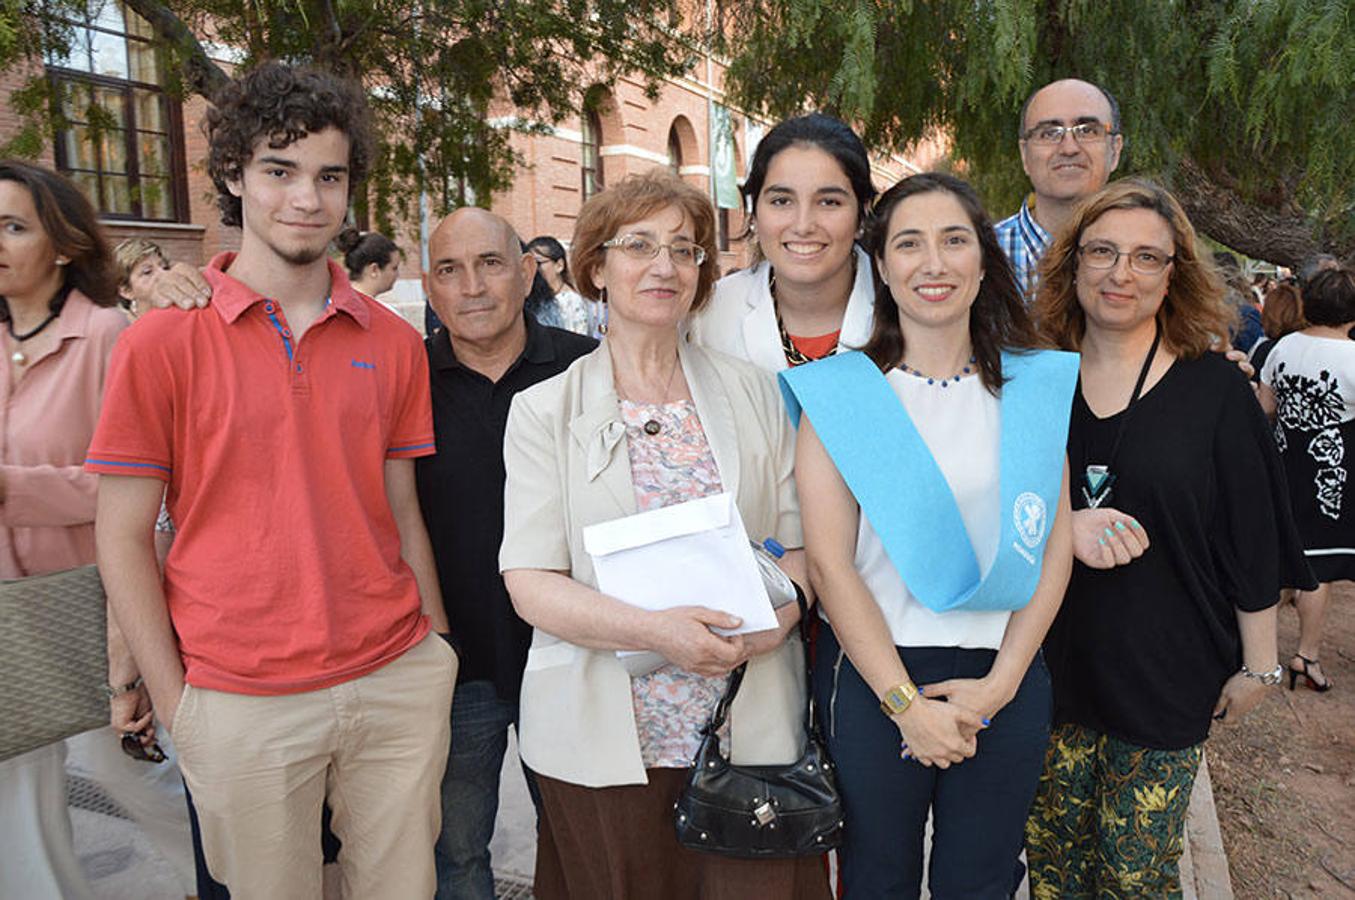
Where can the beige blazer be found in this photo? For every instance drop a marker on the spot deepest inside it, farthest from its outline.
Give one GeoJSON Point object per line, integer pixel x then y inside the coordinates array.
{"type": "Point", "coordinates": [568, 467]}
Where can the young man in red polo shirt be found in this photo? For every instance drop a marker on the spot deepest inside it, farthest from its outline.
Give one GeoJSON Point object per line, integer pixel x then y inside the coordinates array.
{"type": "Point", "coordinates": [289, 647]}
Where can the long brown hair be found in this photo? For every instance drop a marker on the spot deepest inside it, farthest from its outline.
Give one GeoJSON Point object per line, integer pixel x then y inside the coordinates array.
{"type": "Point", "coordinates": [1193, 318]}
{"type": "Point", "coordinates": [997, 319]}
{"type": "Point", "coordinates": [73, 228]}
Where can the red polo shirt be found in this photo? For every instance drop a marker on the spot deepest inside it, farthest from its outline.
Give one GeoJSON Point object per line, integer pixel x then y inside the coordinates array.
{"type": "Point", "coordinates": [285, 575]}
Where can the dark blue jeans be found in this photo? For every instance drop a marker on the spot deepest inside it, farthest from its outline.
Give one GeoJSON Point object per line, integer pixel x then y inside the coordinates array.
{"type": "Point", "coordinates": [978, 807]}
{"type": "Point", "coordinates": [470, 791]}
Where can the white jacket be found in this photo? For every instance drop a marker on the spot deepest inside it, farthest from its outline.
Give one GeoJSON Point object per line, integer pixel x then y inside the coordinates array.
{"type": "Point", "coordinates": [740, 319]}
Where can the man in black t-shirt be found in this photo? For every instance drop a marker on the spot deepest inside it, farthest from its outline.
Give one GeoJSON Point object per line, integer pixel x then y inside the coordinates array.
{"type": "Point", "coordinates": [487, 351]}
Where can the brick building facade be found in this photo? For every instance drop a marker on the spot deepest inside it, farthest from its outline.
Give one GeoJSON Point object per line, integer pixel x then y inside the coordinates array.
{"type": "Point", "coordinates": [626, 133]}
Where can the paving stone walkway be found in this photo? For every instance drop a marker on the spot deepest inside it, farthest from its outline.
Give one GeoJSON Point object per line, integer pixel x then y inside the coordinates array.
{"type": "Point", "coordinates": [122, 865]}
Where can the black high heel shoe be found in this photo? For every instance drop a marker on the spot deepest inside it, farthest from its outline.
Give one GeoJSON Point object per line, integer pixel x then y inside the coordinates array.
{"type": "Point", "coordinates": [1294, 674]}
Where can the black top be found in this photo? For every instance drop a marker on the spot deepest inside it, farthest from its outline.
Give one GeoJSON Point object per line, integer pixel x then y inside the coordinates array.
{"type": "Point", "coordinates": [461, 494]}
{"type": "Point", "coordinates": [1141, 651]}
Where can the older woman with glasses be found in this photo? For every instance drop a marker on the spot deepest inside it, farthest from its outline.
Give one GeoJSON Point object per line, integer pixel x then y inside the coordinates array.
{"type": "Point", "coordinates": [1183, 537]}
{"type": "Point", "coordinates": [643, 422]}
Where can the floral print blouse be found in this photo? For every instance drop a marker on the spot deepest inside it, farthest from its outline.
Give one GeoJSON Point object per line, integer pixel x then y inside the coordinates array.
{"type": "Point", "coordinates": [673, 466]}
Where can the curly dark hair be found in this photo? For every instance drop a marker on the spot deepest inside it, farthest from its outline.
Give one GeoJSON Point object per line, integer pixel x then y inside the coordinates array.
{"type": "Point", "coordinates": [281, 104]}
{"type": "Point", "coordinates": [997, 319]}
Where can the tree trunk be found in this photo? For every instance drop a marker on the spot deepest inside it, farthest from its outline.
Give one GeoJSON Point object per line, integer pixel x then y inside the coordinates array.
{"type": "Point", "coordinates": [1278, 234]}
{"type": "Point", "coordinates": [201, 75]}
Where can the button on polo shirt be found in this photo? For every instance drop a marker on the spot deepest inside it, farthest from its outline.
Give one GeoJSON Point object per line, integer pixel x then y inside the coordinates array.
{"type": "Point", "coordinates": [285, 575]}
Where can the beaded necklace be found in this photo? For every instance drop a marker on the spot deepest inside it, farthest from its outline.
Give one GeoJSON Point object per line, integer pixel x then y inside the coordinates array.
{"type": "Point", "coordinates": [944, 382]}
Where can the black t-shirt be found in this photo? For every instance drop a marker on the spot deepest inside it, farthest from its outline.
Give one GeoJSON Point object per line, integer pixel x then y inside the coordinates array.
{"type": "Point", "coordinates": [1141, 651]}
{"type": "Point", "coordinates": [461, 494]}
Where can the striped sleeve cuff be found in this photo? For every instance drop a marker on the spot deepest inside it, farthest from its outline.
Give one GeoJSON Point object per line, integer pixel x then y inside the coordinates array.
{"type": "Point", "coordinates": [102, 464]}
{"type": "Point", "coordinates": [411, 449]}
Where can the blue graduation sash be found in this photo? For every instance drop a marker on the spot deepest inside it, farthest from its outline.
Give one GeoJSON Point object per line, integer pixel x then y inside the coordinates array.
{"type": "Point", "coordinates": [888, 468]}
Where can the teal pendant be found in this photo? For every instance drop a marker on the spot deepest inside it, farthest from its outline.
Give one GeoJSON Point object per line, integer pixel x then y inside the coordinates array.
{"type": "Point", "coordinates": [1096, 488]}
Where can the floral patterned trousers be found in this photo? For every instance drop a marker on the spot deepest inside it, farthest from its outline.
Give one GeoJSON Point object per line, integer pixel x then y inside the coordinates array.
{"type": "Point", "coordinates": [1109, 818]}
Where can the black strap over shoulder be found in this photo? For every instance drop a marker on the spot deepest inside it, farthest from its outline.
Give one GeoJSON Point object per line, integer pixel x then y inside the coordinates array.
{"type": "Point", "coordinates": [721, 712]}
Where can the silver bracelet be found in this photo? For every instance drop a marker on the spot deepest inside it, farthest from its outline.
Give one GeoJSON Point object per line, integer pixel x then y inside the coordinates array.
{"type": "Point", "coordinates": [1267, 678]}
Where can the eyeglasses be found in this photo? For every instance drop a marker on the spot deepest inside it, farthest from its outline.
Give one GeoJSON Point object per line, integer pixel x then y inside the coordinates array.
{"type": "Point", "coordinates": [1082, 132]}
{"type": "Point", "coordinates": [642, 249]}
{"type": "Point", "coordinates": [132, 746]}
{"type": "Point", "coordinates": [1104, 255]}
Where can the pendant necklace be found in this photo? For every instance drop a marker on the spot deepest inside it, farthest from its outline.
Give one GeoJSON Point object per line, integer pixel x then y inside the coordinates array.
{"type": "Point", "coordinates": [18, 357]}
{"type": "Point", "coordinates": [652, 426]}
{"type": "Point", "coordinates": [1098, 480]}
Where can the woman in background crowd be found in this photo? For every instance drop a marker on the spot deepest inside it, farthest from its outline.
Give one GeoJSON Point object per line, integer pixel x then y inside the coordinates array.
{"type": "Point", "coordinates": [58, 287]}
{"type": "Point", "coordinates": [1183, 535]}
{"type": "Point", "coordinates": [808, 191]}
{"type": "Point", "coordinates": [1282, 314]}
{"type": "Point", "coordinates": [139, 263]}
{"type": "Point", "coordinates": [645, 421]}
{"type": "Point", "coordinates": [1308, 387]}
{"type": "Point", "coordinates": [576, 314]}
{"type": "Point", "coordinates": [372, 260]}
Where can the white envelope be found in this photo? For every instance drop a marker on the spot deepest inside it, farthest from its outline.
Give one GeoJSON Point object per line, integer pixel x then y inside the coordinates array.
{"type": "Point", "coordinates": [690, 554]}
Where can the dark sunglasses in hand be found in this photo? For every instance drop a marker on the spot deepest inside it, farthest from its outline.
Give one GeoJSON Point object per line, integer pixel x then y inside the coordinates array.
{"type": "Point", "coordinates": [132, 746]}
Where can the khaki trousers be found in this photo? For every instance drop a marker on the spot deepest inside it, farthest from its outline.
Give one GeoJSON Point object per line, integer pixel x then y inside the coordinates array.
{"type": "Point", "coordinates": [375, 747]}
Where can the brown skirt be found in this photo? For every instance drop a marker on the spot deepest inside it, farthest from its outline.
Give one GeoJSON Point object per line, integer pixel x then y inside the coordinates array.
{"type": "Point", "coordinates": [618, 843]}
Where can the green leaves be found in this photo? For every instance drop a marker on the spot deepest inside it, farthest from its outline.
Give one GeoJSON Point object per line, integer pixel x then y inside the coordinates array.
{"type": "Point", "coordinates": [1259, 93]}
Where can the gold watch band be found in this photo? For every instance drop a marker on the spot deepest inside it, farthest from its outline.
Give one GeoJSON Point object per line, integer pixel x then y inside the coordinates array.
{"type": "Point", "coordinates": [898, 698]}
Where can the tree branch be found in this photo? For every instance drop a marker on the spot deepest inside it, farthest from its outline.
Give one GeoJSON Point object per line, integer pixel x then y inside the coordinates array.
{"type": "Point", "coordinates": [202, 75]}
{"type": "Point", "coordinates": [1283, 235]}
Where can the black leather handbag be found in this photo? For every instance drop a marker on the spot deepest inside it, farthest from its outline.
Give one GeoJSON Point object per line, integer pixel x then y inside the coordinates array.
{"type": "Point", "coordinates": [760, 812]}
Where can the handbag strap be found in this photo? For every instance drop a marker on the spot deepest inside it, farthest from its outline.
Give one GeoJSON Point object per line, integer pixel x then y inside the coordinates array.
{"type": "Point", "coordinates": [721, 711]}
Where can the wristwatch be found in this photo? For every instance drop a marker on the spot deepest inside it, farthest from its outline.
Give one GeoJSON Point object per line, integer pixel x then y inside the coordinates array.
{"type": "Point", "coordinates": [898, 698]}
{"type": "Point", "coordinates": [122, 689]}
{"type": "Point", "coordinates": [1267, 678]}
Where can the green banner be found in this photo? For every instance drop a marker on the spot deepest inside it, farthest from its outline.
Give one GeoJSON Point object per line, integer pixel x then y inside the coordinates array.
{"type": "Point", "coordinates": [722, 167]}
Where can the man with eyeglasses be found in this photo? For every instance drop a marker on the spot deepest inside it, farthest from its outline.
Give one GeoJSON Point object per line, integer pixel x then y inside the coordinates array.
{"type": "Point", "coordinates": [1070, 142]}
{"type": "Point", "coordinates": [486, 352]}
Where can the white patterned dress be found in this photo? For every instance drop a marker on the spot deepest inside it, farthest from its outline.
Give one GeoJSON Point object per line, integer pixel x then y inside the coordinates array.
{"type": "Point", "coordinates": [1314, 383]}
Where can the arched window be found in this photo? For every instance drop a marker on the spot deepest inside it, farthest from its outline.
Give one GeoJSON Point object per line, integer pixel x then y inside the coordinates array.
{"type": "Point", "coordinates": [590, 159]}
{"type": "Point", "coordinates": [674, 150]}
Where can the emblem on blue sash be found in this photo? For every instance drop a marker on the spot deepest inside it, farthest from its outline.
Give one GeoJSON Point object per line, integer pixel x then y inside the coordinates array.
{"type": "Point", "coordinates": [862, 422]}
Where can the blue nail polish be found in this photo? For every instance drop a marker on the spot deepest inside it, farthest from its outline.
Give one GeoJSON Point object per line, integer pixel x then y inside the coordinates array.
{"type": "Point", "coordinates": [1109, 533]}
{"type": "Point", "coordinates": [1134, 523]}
{"type": "Point", "coordinates": [1119, 526]}
{"type": "Point", "coordinates": [920, 689]}
{"type": "Point", "coordinates": [986, 723]}
{"type": "Point", "coordinates": [1101, 541]}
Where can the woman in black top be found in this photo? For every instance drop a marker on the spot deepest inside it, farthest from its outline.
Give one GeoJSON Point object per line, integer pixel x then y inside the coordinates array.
{"type": "Point", "coordinates": [1183, 535]}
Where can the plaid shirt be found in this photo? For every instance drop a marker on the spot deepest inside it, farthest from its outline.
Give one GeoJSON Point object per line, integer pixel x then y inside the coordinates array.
{"type": "Point", "coordinates": [1024, 242]}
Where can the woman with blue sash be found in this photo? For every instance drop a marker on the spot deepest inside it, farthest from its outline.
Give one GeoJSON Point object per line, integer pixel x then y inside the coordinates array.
{"type": "Point", "coordinates": [933, 488]}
